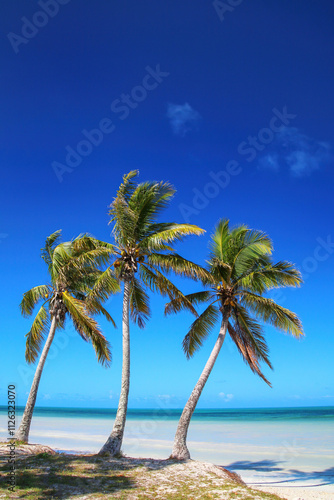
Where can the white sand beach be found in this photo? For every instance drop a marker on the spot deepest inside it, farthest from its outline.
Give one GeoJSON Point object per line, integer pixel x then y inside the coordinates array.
{"type": "Point", "coordinates": [294, 461]}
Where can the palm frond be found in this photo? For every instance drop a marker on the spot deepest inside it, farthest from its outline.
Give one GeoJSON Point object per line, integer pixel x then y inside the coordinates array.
{"type": "Point", "coordinates": [60, 258]}
{"type": "Point", "coordinates": [199, 330]}
{"type": "Point", "coordinates": [253, 246]}
{"type": "Point", "coordinates": [157, 227]}
{"type": "Point", "coordinates": [86, 242]}
{"type": "Point", "coordinates": [105, 244]}
{"type": "Point", "coordinates": [219, 270]}
{"type": "Point", "coordinates": [31, 298]}
{"type": "Point", "coordinates": [219, 239]}
{"type": "Point", "coordinates": [253, 332]}
{"type": "Point", "coordinates": [139, 304]}
{"type": "Point", "coordinates": [148, 199]}
{"type": "Point", "coordinates": [124, 220]}
{"type": "Point", "coordinates": [105, 284]}
{"type": "Point", "coordinates": [95, 257]}
{"type": "Point", "coordinates": [157, 282]}
{"type": "Point", "coordinates": [35, 336]}
{"type": "Point", "coordinates": [175, 233]}
{"type": "Point", "coordinates": [157, 246]}
{"type": "Point", "coordinates": [121, 215]}
{"type": "Point", "coordinates": [268, 311]}
{"type": "Point", "coordinates": [178, 304]}
{"type": "Point", "coordinates": [87, 327]}
{"type": "Point", "coordinates": [179, 266]}
{"type": "Point", "coordinates": [51, 242]}
{"type": "Point", "coordinates": [127, 187]}
{"type": "Point", "coordinates": [246, 350]}
{"type": "Point", "coordinates": [266, 277]}
{"type": "Point", "coordinates": [95, 307]}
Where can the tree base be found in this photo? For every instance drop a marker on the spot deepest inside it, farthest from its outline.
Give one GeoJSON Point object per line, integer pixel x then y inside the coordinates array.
{"type": "Point", "coordinates": [112, 446]}
{"type": "Point", "coordinates": [180, 453]}
{"type": "Point", "coordinates": [21, 437]}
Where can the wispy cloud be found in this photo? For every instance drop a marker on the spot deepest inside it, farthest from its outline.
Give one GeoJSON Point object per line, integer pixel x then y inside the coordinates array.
{"type": "Point", "coordinates": [164, 397]}
{"type": "Point", "coordinates": [298, 153]}
{"type": "Point", "coordinates": [270, 162]}
{"type": "Point", "coordinates": [225, 397]}
{"type": "Point", "coordinates": [182, 118]}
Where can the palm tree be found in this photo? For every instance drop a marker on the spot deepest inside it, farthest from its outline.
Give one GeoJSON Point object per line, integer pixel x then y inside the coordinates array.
{"type": "Point", "coordinates": [144, 256]}
{"type": "Point", "coordinates": [74, 269]}
{"type": "Point", "coordinates": [240, 273]}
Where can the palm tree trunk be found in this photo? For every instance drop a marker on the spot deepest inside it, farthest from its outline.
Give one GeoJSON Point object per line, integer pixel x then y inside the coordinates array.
{"type": "Point", "coordinates": [22, 433]}
{"type": "Point", "coordinates": [114, 441]}
{"type": "Point", "coordinates": [180, 450]}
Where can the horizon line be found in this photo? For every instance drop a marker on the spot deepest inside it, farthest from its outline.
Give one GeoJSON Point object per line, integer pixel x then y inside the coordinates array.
{"type": "Point", "coordinates": [4, 407]}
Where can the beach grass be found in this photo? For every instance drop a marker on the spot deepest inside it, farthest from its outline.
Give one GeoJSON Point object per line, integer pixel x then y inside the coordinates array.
{"type": "Point", "coordinates": [60, 476]}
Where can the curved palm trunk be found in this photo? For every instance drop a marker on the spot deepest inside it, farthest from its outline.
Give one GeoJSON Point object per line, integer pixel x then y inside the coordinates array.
{"type": "Point", "coordinates": [180, 450]}
{"type": "Point", "coordinates": [114, 441]}
{"type": "Point", "coordinates": [22, 433]}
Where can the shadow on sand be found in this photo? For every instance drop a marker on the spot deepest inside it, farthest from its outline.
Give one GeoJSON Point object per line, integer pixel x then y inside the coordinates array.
{"type": "Point", "coordinates": [57, 476]}
{"type": "Point", "coordinates": [321, 477]}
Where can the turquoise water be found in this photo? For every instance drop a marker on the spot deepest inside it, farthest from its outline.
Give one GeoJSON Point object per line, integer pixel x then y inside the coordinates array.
{"type": "Point", "coordinates": [325, 413]}
{"type": "Point", "coordinates": [265, 444]}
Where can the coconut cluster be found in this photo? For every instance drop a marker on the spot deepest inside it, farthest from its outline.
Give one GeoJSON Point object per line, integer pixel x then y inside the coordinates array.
{"type": "Point", "coordinates": [128, 261]}
{"type": "Point", "coordinates": [57, 306]}
{"type": "Point", "coordinates": [226, 294]}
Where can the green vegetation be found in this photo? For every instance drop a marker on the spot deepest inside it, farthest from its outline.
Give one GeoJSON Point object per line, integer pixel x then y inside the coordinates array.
{"type": "Point", "coordinates": [45, 476]}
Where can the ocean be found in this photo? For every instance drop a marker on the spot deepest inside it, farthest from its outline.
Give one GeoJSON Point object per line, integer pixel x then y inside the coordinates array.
{"type": "Point", "coordinates": [273, 443]}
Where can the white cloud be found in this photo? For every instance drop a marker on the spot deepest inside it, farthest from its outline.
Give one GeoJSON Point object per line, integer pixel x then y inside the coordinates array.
{"type": "Point", "coordinates": [110, 395]}
{"type": "Point", "coordinates": [164, 397]}
{"type": "Point", "coordinates": [182, 118]}
{"type": "Point", "coordinates": [46, 396]}
{"type": "Point", "coordinates": [298, 153]}
{"type": "Point", "coordinates": [270, 162]}
{"type": "Point", "coordinates": [226, 397]}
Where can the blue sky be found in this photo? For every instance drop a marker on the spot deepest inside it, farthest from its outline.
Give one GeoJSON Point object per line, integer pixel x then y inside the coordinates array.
{"type": "Point", "coordinates": [232, 102]}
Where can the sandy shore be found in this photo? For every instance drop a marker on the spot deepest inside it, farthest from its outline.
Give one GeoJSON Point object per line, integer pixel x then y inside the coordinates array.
{"type": "Point", "coordinates": [290, 485]}
{"type": "Point", "coordinates": [301, 493]}
{"type": "Point", "coordinates": [46, 474]}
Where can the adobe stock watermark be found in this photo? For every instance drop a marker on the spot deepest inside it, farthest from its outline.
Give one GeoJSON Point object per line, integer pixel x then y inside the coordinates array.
{"type": "Point", "coordinates": [148, 428]}
{"type": "Point", "coordinates": [30, 27]}
{"type": "Point", "coordinates": [221, 7]}
{"type": "Point", "coordinates": [289, 452]}
{"type": "Point", "coordinates": [322, 251]}
{"type": "Point", "coordinates": [121, 107]}
{"type": "Point", "coordinates": [249, 148]}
